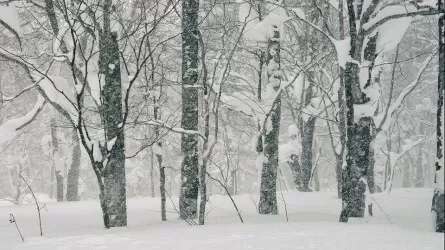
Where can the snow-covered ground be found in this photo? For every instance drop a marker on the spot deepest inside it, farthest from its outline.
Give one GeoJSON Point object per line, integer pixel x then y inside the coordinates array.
{"type": "Point", "coordinates": [312, 225]}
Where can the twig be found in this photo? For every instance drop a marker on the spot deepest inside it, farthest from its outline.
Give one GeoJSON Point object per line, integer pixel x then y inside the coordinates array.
{"type": "Point", "coordinates": [254, 202]}
{"type": "Point", "coordinates": [282, 197]}
{"type": "Point", "coordinates": [191, 222]}
{"type": "Point", "coordinates": [13, 220]}
{"type": "Point", "coordinates": [37, 205]}
{"type": "Point", "coordinates": [230, 196]}
{"type": "Point", "coordinates": [387, 216]}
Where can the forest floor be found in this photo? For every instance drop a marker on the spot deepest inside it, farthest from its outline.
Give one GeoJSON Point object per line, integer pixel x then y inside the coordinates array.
{"type": "Point", "coordinates": [402, 220]}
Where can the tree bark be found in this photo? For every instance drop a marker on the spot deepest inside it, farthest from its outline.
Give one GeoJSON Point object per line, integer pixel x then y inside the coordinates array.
{"type": "Point", "coordinates": [72, 189]}
{"type": "Point", "coordinates": [55, 148]}
{"type": "Point", "coordinates": [420, 173]}
{"type": "Point", "coordinates": [340, 157]}
{"type": "Point", "coordinates": [307, 128]}
{"type": "Point", "coordinates": [59, 180]}
{"type": "Point", "coordinates": [438, 204]}
{"type": "Point", "coordinates": [358, 129]}
{"type": "Point", "coordinates": [406, 173]}
{"type": "Point", "coordinates": [270, 135]}
{"type": "Point", "coordinates": [157, 116]}
{"type": "Point", "coordinates": [188, 199]}
{"type": "Point", "coordinates": [114, 196]}
{"type": "Point", "coordinates": [152, 169]}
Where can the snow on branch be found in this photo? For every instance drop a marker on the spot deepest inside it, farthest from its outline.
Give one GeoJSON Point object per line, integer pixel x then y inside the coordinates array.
{"type": "Point", "coordinates": [384, 120]}
{"type": "Point", "coordinates": [11, 98]}
{"type": "Point", "coordinates": [395, 157]}
{"type": "Point", "coordinates": [9, 18]}
{"type": "Point", "coordinates": [174, 129]}
{"type": "Point", "coordinates": [398, 11]}
{"type": "Point", "coordinates": [9, 129]}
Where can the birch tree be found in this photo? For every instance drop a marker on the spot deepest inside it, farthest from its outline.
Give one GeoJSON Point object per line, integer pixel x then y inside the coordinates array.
{"type": "Point", "coordinates": [438, 204]}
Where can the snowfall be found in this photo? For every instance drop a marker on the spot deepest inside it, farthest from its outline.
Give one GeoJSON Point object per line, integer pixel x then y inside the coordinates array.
{"type": "Point", "coordinates": [402, 220]}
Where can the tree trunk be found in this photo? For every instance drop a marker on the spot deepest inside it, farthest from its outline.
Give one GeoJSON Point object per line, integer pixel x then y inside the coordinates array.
{"type": "Point", "coordinates": [307, 128]}
{"type": "Point", "coordinates": [438, 204]}
{"type": "Point", "coordinates": [358, 129]}
{"type": "Point", "coordinates": [72, 189]}
{"type": "Point", "coordinates": [55, 148]}
{"type": "Point", "coordinates": [340, 156]}
{"type": "Point", "coordinates": [270, 135]}
{"type": "Point", "coordinates": [152, 169]}
{"type": "Point", "coordinates": [294, 165]}
{"type": "Point", "coordinates": [114, 196]}
{"type": "Point", "coordinates": [162, 187]}
{"type": "Point", "coordinates": [354, 176]}
{"type": "Point", "coordinates": [157, 116]}
{"type": "Point", "coordinates": [315, 181]}
{"type": "Point", "coordinates": [59, 179]}
{"type": "Point", "coordinates": [338, 172]}
{"type": "Point", "coordinates": [188, 199]}
{"type": "Point", "coordinates": [406, 173]}
{"type": "Point", "coordinates": [420, 173]}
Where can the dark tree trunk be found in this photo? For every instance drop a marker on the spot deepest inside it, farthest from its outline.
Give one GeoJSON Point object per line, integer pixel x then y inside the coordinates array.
{"type": "Point", "coordinates": [110, 175]}
{"type": "Point", "coordinates": [114, 196]}
{"type": "Point", "coordinates": [371, 159]}
{"type": "Point", "coordinates": [438, 204]}
{"type": "Point", "coordinates": [294, 165]}
{"type": "Point", "coordinates": [270, 137]}
{"type": "Point", "coordinates": [357, 146]}
{"type": "Point", "coordinates": [307, 134]}
{"type": "Point", "coordinates": [188, 199]}
{"type": "Point", "coordinates": [339, 156]}
{"type": "Point", "coordinates": [338, 172]}
{"type": "Point", "coordinates": [162, 186]}
{"type": "Point", "coordinates": [72, 189]}
{"type": "Point", "coordinates": [358, 132]}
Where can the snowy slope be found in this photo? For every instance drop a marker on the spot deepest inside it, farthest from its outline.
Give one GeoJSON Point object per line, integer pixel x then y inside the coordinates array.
{"type": "Point", "coordinates": [312, 225]}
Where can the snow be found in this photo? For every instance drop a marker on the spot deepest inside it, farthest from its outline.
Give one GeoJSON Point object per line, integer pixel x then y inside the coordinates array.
{"type": "Point", "coordinates": [312, 225]}
{"type": "Point", "coordinates": [299, 86]}
{"type": "Point", "coordinates": [391, 33]}
{"type": "Point", "coordinates": [293, 130]}
{"type": "Point", "coordinates": [264, 30]}
{"type": "Point", "coordinates": [60, 91]}
{"type": "Point", "coordinates": [8, 130]}
{"type": "Point", "coordinates": [111, 143]}
{"type": "Point", "coordinates": [299, 12]}
{"type": "Point", "coordinates": [9, 15]}
{"type": "Point", "coordinates": [286, 150]}
{"type": "Point", "coordinates": [157, 149]}
{"type": "Point", "coordinates": [402, 96]}
{"type": "Point", "coordinates": [343, 47]}
{"type": "Point", "coordinates": [96, 81]}
{"type": "Point", "coordinates": [242, 102]}
{"type": "Point", "coordinates": [58, 40]}
{"type": "Point", "coordinates": [247, 15]}
{"type": "Point", "coordinates": [97, 155]}
{"type": "Point", "coordinates": [428, 3]}
{"type": "Point", "coordinates": [389, 12]}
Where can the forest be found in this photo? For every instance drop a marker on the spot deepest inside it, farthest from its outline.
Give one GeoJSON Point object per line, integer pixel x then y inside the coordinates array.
{"type": "Point", "coordinates": [187, 124]}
